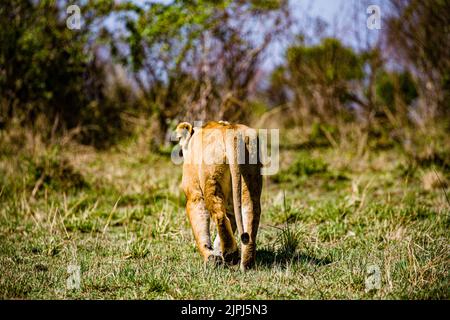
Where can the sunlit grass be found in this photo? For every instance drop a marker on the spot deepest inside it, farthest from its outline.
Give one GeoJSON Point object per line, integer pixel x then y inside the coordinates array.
{"type": "Point", "coordinates": [126, 228]}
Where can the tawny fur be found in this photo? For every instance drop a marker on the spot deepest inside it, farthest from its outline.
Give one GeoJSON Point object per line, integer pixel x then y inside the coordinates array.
{"type": "Point", "coordinates": [208, 188]}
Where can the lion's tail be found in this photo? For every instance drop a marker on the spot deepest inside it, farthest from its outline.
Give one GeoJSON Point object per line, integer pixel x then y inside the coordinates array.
{"type": "Point", "coordinates": [236, 183]}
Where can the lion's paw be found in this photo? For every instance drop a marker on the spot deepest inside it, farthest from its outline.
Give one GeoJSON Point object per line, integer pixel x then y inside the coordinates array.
{"type": "Point", "coordinates": [214, 261]}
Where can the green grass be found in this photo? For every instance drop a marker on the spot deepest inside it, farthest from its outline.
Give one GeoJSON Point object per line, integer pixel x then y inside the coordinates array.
{"type": "Point", "coordinates": [119, 215]}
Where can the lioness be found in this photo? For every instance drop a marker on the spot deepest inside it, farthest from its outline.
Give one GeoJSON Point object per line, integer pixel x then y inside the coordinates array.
{"type": "Point", "coordinates": [222, 179]}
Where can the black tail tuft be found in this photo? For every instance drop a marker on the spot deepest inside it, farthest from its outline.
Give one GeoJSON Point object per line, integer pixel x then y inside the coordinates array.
{"type": "Point", "coordinates": [245, 238]}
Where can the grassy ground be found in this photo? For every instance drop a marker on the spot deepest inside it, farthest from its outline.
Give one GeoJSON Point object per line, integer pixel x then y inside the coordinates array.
{"type": "Point", "coordinates": [330, 217]}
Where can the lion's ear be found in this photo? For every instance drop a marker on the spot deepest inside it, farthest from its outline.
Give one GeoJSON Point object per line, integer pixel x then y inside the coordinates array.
{"type": "Point", "coordinates": [184, 132]}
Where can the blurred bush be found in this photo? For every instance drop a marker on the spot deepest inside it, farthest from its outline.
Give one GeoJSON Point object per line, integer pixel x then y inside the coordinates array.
{"type": "Point", "coordinates": [162, 63]}
{"type": "Point", "coordinates": [52, 78]}
{"type": "Point", "coordinates": [303, 166]}
{"type": "Point", "coordinates": [52, 171]}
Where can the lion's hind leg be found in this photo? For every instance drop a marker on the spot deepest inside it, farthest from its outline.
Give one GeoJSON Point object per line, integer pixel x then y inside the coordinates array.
{"type": "Point", "coordinates": [251, 212]}
{"type": "Point", "coordinates": [199, 218]}
{"type": "Point", "coordinates": [230, 214]}
{"type": "Point", "coordinates": [215, 204]}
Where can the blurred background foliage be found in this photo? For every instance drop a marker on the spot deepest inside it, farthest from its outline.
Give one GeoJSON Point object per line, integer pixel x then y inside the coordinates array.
{"type": "Point", "coordinates": [158, 63]}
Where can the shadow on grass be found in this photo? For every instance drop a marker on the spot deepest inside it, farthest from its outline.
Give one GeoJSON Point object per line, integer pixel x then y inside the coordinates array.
{"type": "Point", "coordinates": [271, 258]}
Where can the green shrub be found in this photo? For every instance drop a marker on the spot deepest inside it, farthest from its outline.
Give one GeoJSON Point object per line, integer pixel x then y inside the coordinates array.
{"type": "Point", "coordinates": [303, 166]}
{"type": "Point", "coordinates": [54, 172]}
